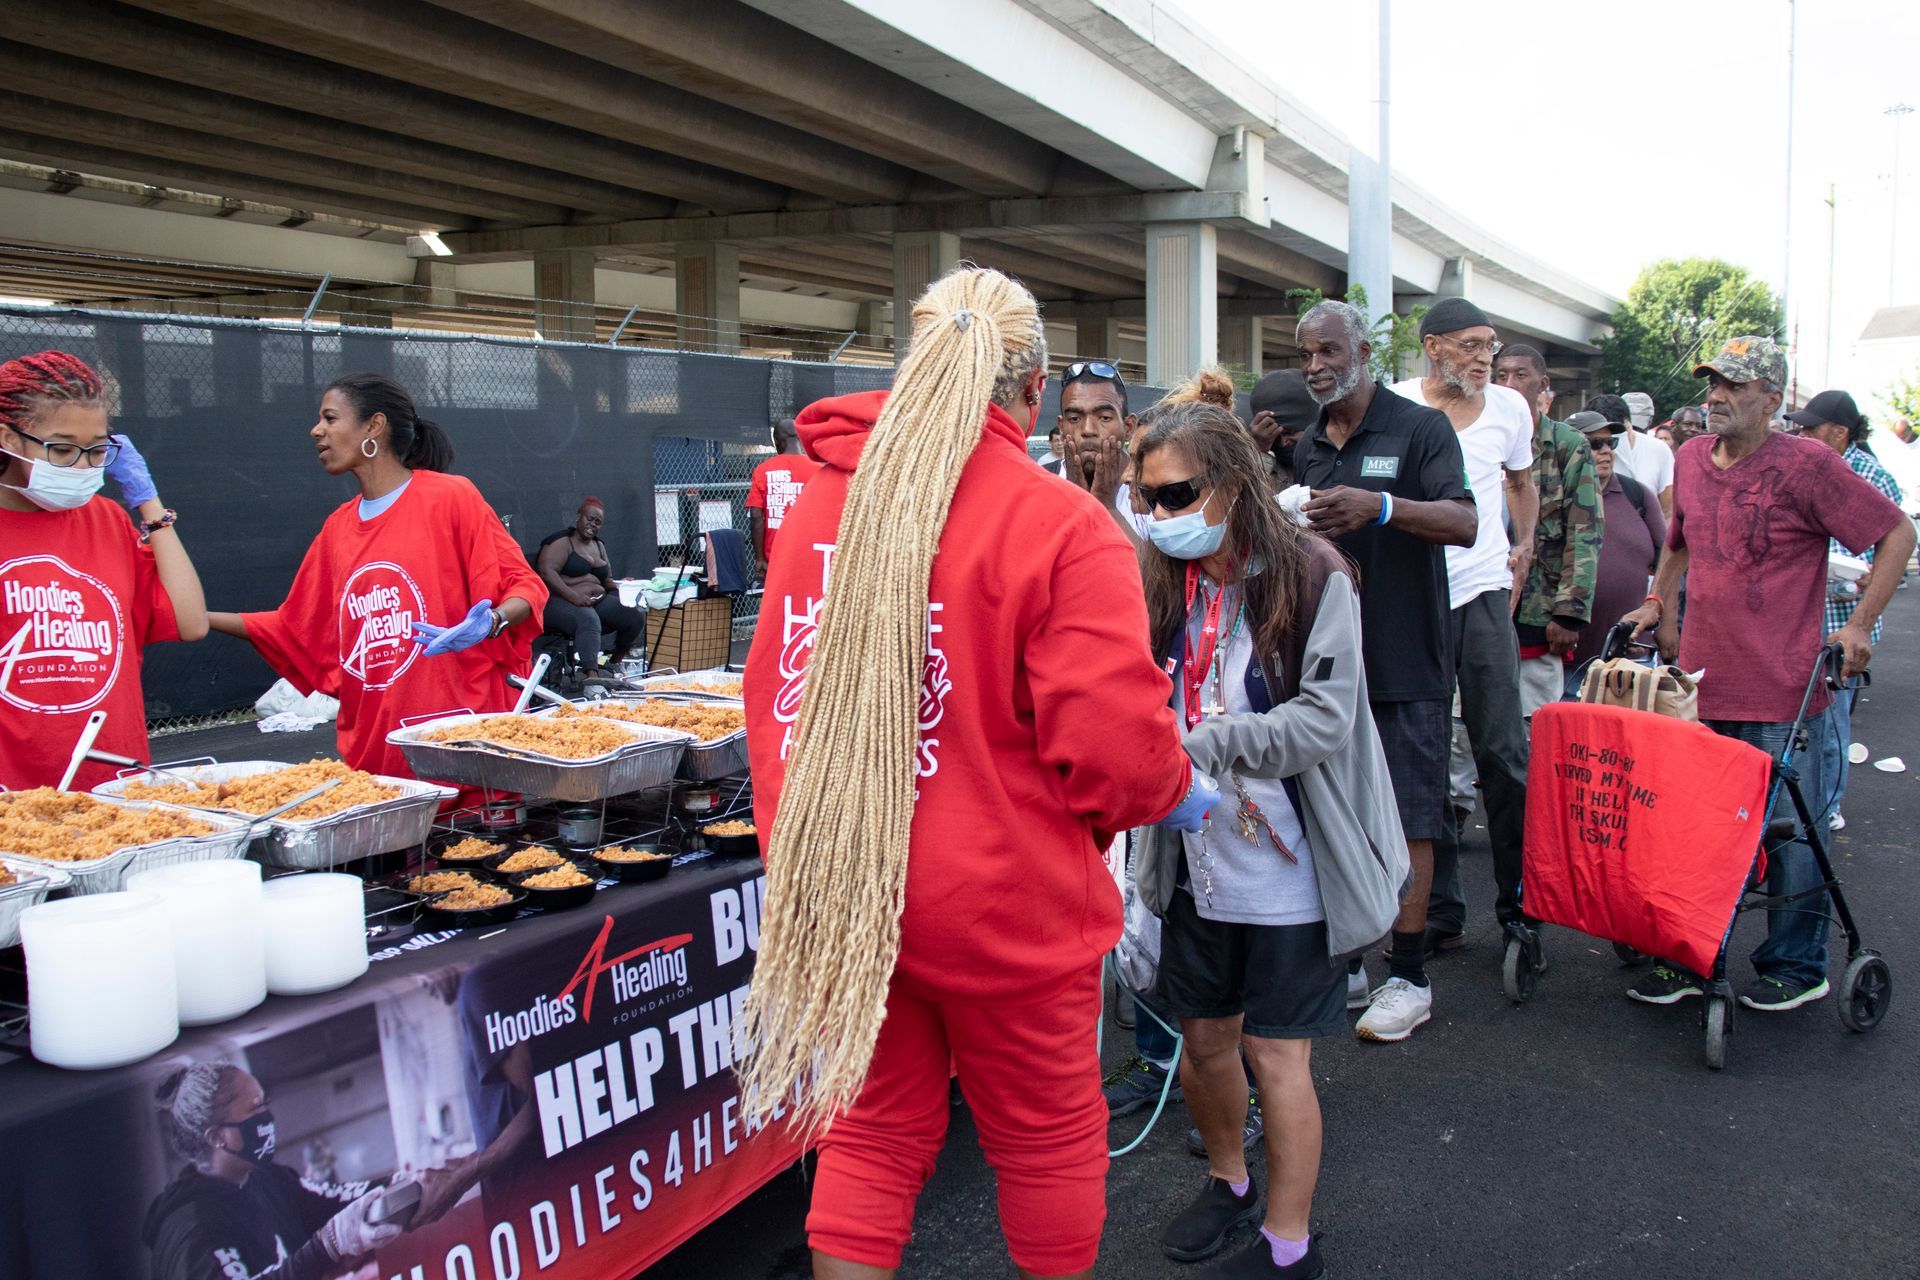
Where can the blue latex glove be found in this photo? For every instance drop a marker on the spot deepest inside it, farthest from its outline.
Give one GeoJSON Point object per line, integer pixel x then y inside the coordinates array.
{"type": "Point", "coordinates": [1191, 813]}
{"type": "Point", "coordinates": [129, 471]}
{"type": "Point", "coordinates": [464, 634]}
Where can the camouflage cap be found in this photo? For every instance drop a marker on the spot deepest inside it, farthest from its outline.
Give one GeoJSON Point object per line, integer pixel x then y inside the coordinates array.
{"type": "Point", "coordinates": [1748, 358]}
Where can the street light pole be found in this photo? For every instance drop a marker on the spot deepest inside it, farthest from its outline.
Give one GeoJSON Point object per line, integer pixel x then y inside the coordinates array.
{"type": "Point", "coordinates": [1899, 111]}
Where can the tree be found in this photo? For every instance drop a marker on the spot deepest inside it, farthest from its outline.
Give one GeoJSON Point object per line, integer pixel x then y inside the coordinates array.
{"type": "Point", "coordinates": [1678, 313]}
{"type": "Point", "coordinates": [1393, 336]}
{"type": "Point", "coordinates": [1903, 397]}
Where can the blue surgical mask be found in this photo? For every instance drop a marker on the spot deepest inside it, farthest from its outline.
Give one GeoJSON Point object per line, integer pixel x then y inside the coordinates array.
{"type": "Point", "coordinates": [57, 488]}
{"type": "Point", "coordinates": [1188, 537]}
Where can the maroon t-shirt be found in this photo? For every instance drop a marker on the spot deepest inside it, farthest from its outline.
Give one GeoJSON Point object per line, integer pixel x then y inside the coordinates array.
{"type": "Point", "coordinates": [1756, 535]}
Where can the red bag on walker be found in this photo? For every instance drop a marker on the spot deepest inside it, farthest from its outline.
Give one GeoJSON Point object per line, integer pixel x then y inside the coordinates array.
{"type": "Point", "coordinates": [1641, 828]}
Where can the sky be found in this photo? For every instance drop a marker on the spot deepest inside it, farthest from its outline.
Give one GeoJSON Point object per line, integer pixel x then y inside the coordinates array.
{"type": "Point", "coordinates": [1600, 137]}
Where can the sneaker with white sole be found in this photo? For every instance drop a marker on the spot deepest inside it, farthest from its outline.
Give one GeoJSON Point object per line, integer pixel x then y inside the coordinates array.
{"type": "Point", "coordinates": [1664, 984]}
{"type": "Point", "coordinates": [1397, 1008]}
{"type": "Point", "coordinates": [1836, 822]}
{"type": "Point", "coordinates": [1359, 991]}
{"type": "Point", "coordinates": [1771, 995]}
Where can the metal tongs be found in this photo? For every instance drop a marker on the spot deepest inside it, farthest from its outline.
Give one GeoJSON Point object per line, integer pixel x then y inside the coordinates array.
{"type": "Point", "coordinates": [531, 685]}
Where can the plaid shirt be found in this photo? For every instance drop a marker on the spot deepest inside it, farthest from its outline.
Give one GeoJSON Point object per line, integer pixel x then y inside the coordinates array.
{"type": "Point", "coordinates": [1868, 468]}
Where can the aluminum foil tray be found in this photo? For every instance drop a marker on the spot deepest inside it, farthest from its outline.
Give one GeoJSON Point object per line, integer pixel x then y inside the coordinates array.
{"type": "Point", "coordinates": [228, 839]}
{"type": "Point", "coordinates": [32, 883]}
{"type": "Point", "coordinates": [704, 761]}
{"type": "Point", "coordinates": [650, 760]}
{"type": "Point", "coordinates": [361, 831]}
{"type": "Point", "coordinates": [704, 684]}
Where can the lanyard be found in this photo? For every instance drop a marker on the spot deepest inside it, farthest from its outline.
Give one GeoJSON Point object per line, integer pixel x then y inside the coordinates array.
{"type": "Point", "coordinates": [1199, 659]}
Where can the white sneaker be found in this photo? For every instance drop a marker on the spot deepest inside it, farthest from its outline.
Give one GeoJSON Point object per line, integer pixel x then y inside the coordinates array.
{"type": "Point", "coordinates": [1837, 823]}
{"type": "Point", "coordinates": [1359, 994]}
{"type": "Point", "coordinates": [1397, 1008]}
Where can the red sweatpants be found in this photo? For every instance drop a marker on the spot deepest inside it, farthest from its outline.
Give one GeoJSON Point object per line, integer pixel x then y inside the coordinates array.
{"type": "Point", "coordinates": [1031, 1074]}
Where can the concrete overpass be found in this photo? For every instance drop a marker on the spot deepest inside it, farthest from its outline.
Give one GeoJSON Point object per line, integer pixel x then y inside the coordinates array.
{"type": "Point", "coordinates": [720, 174]}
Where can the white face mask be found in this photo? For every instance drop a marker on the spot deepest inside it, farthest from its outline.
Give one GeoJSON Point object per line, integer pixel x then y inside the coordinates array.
{"type": "Point", "coordinates": [58, 488]}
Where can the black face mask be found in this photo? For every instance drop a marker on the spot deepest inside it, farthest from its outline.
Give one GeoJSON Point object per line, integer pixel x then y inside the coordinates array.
{"type": "Point", "coordinates": [256, 1137]}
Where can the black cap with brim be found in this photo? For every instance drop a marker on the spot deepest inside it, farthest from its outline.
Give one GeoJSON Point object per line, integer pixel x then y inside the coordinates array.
{"type": "Point", "coordinates": [1836, 407]}
{"type": "Point", "coordinates": [1284, 394]}
{"type": "Point", "coordinates": [1588, 423]}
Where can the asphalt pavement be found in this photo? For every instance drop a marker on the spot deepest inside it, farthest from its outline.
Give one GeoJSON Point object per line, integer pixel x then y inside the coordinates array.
{"type": "Point", "coordinates": [1579, 1135]}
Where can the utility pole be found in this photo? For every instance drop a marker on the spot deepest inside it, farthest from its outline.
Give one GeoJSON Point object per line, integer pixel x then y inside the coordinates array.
{"type": "Point", "coordinates": [1826, 365]}
{"type": "Point", "coordinates": [1786, 238]}
{"type": "Point", "coordinates": [1899, 111]}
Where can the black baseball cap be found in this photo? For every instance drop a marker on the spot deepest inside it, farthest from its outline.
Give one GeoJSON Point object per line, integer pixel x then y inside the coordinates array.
{"type": "Point", "coordinates": [1588, 423]}
{"type": "Point", "coordinates": [1284, 392]}
{"type": "Point", "coordinates": [1836, 407]}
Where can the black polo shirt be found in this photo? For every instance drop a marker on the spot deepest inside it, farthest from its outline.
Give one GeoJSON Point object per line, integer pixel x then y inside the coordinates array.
{"type": "Point", "coordinates": [1409, 451]}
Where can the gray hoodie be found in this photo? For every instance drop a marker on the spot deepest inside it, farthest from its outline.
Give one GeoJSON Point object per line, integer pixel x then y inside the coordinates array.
{"type": "Point", "coordinates": [1320, 732]}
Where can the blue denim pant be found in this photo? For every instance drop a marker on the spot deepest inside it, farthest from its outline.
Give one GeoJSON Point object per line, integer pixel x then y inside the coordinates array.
{"type": "Point", "coordinates": [1795, 950]}
{"type": "Point", "coordinates": [1837, 764]}
{"type": "Point", "coordinates": [1151, 1040]}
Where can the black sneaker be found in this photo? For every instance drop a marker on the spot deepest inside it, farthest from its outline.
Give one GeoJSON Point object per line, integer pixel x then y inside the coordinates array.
{"type": "Point", "coordinates": [1250, 1133]}
{"type": "Point", "coordinates": [1664, 985]}
{"type": "Point", "coordinates": [1771, 995]}
{"type": "Point", "coordinates": [1257, 1260]}
{"type": "Point", "coordinates": [1199, 1230]}
{"type": "Point", "coordinates": [1136, 1084]}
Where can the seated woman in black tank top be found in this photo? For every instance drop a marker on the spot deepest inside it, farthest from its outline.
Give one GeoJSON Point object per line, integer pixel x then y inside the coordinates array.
{"type": "Point", "coordinates": [583, 602]}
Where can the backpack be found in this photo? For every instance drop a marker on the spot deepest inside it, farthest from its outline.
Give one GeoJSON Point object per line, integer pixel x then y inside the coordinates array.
{"type": "Point", "coordinates": [1635, 491]}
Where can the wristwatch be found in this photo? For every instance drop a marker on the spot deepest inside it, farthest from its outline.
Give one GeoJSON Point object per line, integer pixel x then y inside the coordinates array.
{"type": "Point", "coordinates": [499, 623]}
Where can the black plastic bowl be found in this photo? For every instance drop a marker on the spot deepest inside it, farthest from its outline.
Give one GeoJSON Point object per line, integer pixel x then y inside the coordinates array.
{"type": "Point", "coordinates": [744, 846]}
{"type": "Point", "coordinates": [449, 918]}
{"type": "Point", "coordinates": [469, 864]}
{"type": "Point", "coordinates": [494, 863]}
{"type": "Point", "coordinates": [572, 895]}
{"type": "Point", "coordinates": [650, 869]}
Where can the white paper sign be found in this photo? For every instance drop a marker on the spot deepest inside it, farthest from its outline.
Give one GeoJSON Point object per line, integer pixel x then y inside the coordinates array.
{"type": "Point", "coordinates": [715, 514]}
{"type": "Point", "coordinates": [666, 518]}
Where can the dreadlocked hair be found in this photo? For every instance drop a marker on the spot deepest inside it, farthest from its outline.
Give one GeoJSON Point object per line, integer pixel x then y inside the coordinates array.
{"type": "Point", "coordinates": [31, 385]}
{"type": "Point", "coordinates": [1225, 457]}
{"type": "Point", "coordinates": [837, 855]}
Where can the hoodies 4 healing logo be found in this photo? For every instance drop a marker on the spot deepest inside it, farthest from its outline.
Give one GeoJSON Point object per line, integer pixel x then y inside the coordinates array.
{"type": "Point", "coordinates": [61, 636]}
{"type": "Point", "coordinates": [378, 608]}
{"type": "Point", "coordinates": [800, 622]}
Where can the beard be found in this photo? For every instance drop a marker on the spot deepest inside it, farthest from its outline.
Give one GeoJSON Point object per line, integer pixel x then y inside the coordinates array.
{"type": "Point", "coordinates": [1343, 386]}
{"type": "Point", "coordinates": [1457, 376]}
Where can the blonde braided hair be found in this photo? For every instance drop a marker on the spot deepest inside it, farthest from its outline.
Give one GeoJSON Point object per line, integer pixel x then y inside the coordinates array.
{"type": "Point", "coordinates": [837, 856]}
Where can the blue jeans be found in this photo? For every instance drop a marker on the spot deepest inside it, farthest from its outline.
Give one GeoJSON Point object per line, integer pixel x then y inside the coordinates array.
{"type": "Point", "coordinates": [1795, 951]}
{"type": "Point", "coordinates": [1151, 1040]}
{"type": "Point", "coordinates": [1838, 741]}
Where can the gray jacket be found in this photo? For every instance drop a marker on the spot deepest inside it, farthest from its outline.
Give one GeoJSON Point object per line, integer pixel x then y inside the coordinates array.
{"type": "Point", "coordinates": [1324, 738]}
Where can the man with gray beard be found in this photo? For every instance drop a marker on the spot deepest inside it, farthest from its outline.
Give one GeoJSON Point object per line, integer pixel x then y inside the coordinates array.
{"type": "Point", "coordinates": [1389, 486]}
{"type": "Point", "coordinates": [1494, 426]}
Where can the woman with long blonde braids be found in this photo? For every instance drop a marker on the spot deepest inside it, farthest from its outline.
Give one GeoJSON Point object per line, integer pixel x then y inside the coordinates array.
{"type": "Point", "coordinates": [940, 747]}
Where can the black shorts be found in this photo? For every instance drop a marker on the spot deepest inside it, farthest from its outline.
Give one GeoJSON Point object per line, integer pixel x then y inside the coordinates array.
{"type": "Point", "coordinates": [1278, 975]}
{"type": "Point", "coordinates": [1416, 738]}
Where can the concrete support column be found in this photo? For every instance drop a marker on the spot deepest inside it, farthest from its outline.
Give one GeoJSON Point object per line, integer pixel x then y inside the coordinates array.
{"type": "Point", "coordinates": [706, 291]}
{"type": "Point", "coordinates": [1242, 343]}
{"type": "Point", "coordinates": [919, 258]}
{"type": "Point", "coordinates": [563, 295]}
{"type": "Point", "coordinates": [1096, 334]}
{"type": "Point", "coordinates": [1183, 299]}
{"type": "Point", "coordinates": [126, 360]}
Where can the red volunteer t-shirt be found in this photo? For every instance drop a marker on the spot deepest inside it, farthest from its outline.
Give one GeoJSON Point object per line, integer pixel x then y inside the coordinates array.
{"type": "Point", "coordinates": [79, 597]}
{"type": "Point", "coordinates": [775, 484]}
{"type": "Point", "coordinates": [1044, 723]}
{"type": "Point", "coordinates": [347, 626]}
{"type": "Point", "coordinates": [1756, 536]}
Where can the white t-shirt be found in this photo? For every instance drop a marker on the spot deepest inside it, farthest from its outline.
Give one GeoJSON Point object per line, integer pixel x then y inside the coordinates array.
{"type": "Point", "coordinates": [1639, 456]}
{"type": "Point", "coordinates": [1500, 440]}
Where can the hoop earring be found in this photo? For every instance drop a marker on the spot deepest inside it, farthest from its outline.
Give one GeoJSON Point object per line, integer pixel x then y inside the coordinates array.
{"type": "Point", "coordinates": [369, 448]}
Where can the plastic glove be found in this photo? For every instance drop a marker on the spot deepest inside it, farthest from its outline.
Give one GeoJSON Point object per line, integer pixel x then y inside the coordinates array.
{"type": "Point", "coordinates": [129, 471]}
{"type": "Point", "coordinates": [348, 1234]}
{"type": "Point", "coordinates": [1191, 813]}
{"type": "Point", "coordinates": [464, 634]}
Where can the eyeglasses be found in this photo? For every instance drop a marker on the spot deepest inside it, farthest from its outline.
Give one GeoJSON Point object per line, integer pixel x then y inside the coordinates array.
{"type": "Point", "coordinates": [62, 454]}
{"type": "Point", "coordinates": [1090, 369]}
{"type": "Point", "coordinates": [1176, 495]}
{"type": "Point", "coordinates": [1600, 444]}
{"type": "Point", "coordinates": [1474, 346]}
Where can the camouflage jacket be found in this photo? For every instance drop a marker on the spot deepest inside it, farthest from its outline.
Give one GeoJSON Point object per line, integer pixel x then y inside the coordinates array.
{"type": "Point", "coordinates": [1566, 544]}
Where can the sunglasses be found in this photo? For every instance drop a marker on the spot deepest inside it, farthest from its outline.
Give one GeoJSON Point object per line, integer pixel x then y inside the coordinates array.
{"type": "Point", "coordinates": [1090, 369]}
{"type": "Point", "coordinates": [1176, 495]}
{"type": "Point", "coordinates": [1600, 444]}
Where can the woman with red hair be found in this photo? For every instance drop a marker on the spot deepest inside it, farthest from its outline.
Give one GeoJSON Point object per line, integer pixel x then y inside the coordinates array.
{"type": "Point", "coordinates": [82, 589]}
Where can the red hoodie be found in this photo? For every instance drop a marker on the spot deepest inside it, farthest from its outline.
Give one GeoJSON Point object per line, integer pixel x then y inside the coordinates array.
{"type": "Point", "coordinates": [1044, 723]}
